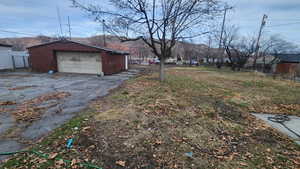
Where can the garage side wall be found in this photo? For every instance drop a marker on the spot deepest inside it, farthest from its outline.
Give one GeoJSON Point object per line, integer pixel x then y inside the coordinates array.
{"type": "Point", "coordinates": [286, 68]}
{"type": "Point", "coordinates": [112, 63]}
{"type": "Point", "coordinates": [43, 58]}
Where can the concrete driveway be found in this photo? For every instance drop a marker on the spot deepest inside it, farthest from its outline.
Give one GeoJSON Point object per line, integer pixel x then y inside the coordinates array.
{"type": "Point", "coordinates": [59, 97]}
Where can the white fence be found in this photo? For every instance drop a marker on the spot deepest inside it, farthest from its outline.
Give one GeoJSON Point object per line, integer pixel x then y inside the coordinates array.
{"type": "Point", "coordinates": [19, 59]}
{"type": "Point", "coordinates": [13, 59]}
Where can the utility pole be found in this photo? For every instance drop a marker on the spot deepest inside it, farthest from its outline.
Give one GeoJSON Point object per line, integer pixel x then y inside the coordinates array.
{"type": "Point", "coordinates": [222, 31]}
{"type": "Point", "coordinates": [127, 30]}
{"type": "Point", "coordinates": [59, 20]}
{"type": "Point", "coordinates": [69, 25]}
{"type": "Point", "coordinates": [104, 36]}
{"type": "Point", "coordinates": [208, 50]}
{"type": "Point", "coordinates": [263, 23]}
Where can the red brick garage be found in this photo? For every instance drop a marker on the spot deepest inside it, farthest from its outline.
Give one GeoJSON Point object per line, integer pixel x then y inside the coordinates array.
{"type": "Point", "coordinates": [74, 57]}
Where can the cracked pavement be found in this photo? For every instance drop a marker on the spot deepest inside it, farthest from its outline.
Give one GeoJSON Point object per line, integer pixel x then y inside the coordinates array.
{"type": "Point", "coordinates": [83, 89]}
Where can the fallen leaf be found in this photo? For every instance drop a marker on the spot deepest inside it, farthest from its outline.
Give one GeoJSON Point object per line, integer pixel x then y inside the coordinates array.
{"type": "Point", "coordinates": [42, 161]}
{"type": "Point", "coordinates": [158, 142]}
{"type": "Point", "coordinates": [73, 162]}
{"type": "Point", "coordinates": [52, 156]}
{"type": "Point", "coordinates": [296, 162]}
{"type": "Point", "coordinates": [243, 164]}
{"type": "Point", "coordinates": [60, 162]}
{"type": "Point", "coordinates": [121, 163]}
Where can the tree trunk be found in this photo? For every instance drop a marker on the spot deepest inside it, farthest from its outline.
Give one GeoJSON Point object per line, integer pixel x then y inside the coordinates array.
{"type": "Point", "coordinates": [254, 63]}
{"type": "Point", "coordinates": [264, 66]}
{"type": "Point", "coordinates": [162, 70]}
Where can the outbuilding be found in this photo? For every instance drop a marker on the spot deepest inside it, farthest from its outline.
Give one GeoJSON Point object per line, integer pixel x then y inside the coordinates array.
{"type": "Point", "coordinates": [288, 63]}
{"type": "Point", "coordinates": [5, 56]}
{"type": "Point", "coordinates": [75, 57]}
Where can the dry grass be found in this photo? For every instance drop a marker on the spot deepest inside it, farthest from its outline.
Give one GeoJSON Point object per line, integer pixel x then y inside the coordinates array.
{"type": "Point", "coordinates": [147, 124]}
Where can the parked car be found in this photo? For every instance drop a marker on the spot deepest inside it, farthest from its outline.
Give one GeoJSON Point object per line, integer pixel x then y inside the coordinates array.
{"type": "Point", "coordinates": [171, 61]}
{"type": "Point", "coordinates": [135, 62]}
{"type": "Point", "coordinates": [179, 63]}
{"type": "Point", "coordinates": [156, 61]}
{"type": "Point", "coordinates": [193, 62]}
{"type": "Point", "coordinates": [151, 61]}
{"type": "Point", "coordinates": [144, 63]}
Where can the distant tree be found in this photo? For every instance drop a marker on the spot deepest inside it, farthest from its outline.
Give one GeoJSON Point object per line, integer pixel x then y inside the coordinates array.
{"type": "Point", "coordinates": [231, 43]}
{"type": "Point", "coordinates": [242, 50]}
{"type": "Point", "coordinates": [190, 52]}
{"type": "Point", "coordinates": [230, 36]}
{"type": "Point", "coordinates": [238, 49]}
{"type": "Point", "coordinates": [277, 45]}
{"type": "Point", "coordinates": [142, 51]}
{"type": "Point", "coordinates": [274, 45]}
{"type": "Point", "coordinates": [208, 51]}
{"type": "Point", "coordinates": [158, 23]}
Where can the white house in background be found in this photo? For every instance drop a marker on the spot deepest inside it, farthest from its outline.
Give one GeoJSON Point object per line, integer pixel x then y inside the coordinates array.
{"type": "Point", "coordinates": [5, 56]}
{"type": "Point", "coordinates": [10, 59]}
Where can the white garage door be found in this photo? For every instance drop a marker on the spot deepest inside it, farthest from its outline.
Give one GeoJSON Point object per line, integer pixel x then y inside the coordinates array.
{"type": "Point", "coordinates": [79, 62]}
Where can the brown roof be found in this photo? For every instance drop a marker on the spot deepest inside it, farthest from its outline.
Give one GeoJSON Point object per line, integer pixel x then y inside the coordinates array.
{"type": "Point", "coordinates": [95, 47]}
{"type": "Point", "coordinates": [5, 45]}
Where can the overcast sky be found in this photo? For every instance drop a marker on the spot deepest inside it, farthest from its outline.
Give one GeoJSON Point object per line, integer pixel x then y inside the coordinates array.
{"type": "Point", "coordinates": [34, 17]}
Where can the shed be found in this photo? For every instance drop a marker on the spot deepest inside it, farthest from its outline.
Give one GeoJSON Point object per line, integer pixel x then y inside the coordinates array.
{"type": "Point", "coordinates": [287, 63]}
{"type": "Point", "coordinates": [75, 57]}
{"type": "Point", "coordinates": [5, 57]}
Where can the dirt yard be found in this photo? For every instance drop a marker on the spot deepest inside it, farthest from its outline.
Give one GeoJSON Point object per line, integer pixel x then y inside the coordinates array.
{"type": "Point", "coordinates": [198, 118]}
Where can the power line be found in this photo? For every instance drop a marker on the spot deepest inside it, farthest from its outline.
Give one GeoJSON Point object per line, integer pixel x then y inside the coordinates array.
{"type": "Point", "coordinates": [284, 24]}
{"type": "Point", "coordinates": [274, 19]}
{"type": "Point", "coordinates": [21, 33]}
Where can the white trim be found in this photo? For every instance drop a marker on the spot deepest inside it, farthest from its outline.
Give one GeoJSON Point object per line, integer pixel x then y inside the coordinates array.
{"type": "Point", "coordinates": [126, 62]}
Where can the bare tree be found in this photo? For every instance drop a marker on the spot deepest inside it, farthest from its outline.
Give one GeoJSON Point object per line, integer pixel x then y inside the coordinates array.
{"type": "Point", "coordinates": [159, 23]}
{"type": "Point", "coordinates": [230, 36]}
{"type": "Point", "coordinates": [208, 51]}
{"type": "Point", "coordinates": [274, 45]}
{"type": "Point", "coordinates": [238, 49]}
{"type": "Point", "coordinates": [189, 52]}
{"type": "Point", "coordinates": [142, 51]}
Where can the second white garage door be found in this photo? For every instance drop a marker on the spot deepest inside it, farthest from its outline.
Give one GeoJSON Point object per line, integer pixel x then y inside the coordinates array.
{"type": "Point", "coordinates": [79, 62]}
